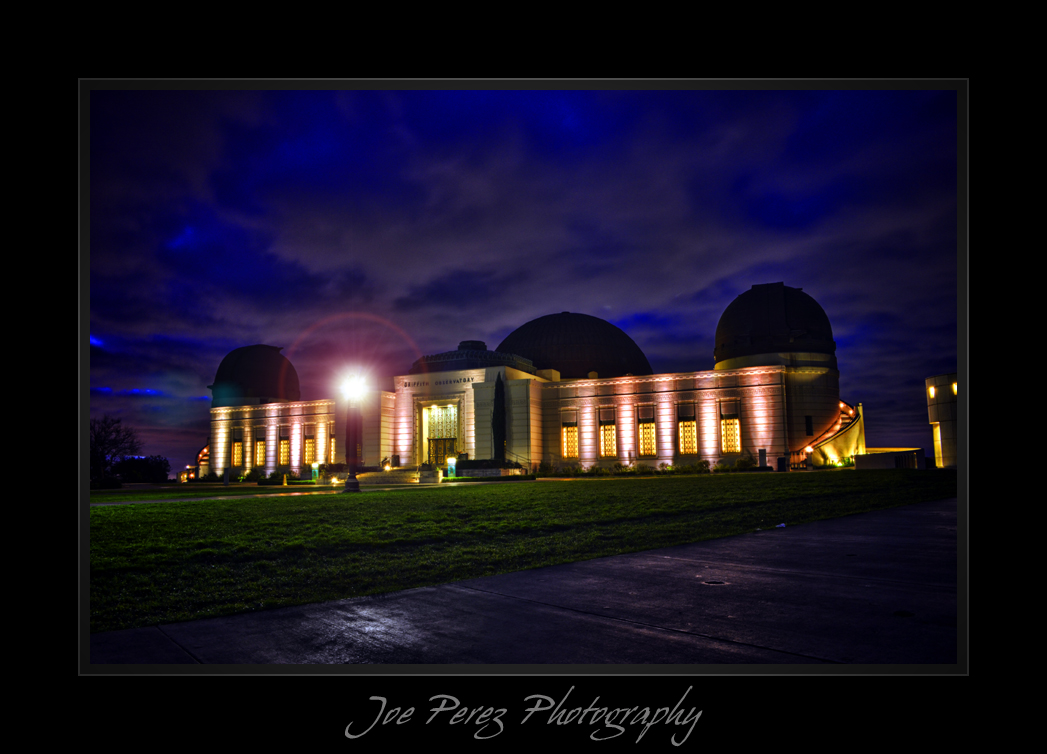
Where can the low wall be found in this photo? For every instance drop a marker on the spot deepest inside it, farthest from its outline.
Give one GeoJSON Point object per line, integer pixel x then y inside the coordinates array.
{"type": "Point", "coordinates": [400, 476]}
{"type": "Point", "coordinates": [491, 472]}
{"type": "Point", "coordinates": [890, 458]}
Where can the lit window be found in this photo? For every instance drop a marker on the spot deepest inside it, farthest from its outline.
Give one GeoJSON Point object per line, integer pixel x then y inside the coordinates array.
{"type": "Point", "coordinates": [731, 436]}
{"type": "Point", "coordinates": [954, 388]}
{"type": "Point", "coordinates": [688, 426]}
{"type": "Point", "coordinates": [285, 452]}
{"type": "Point", "coordinates": [608, 441]}
{"type": "Point", "coordinates": [570, 441]}
{"type": "Point", "coordinates": [688, 437]}
{"type": "Point", "coordinates": [310, 450]}
{"type": "Point", "coordinates": [931, 389]}
{"type": "Point", "coordinates": [332, 450]}
{"type": "Point", "coordinates": [647, 442]}
{"type": "Point", "coordinates": [238, 454]}
{"type": "Point", "coordinates": [259, 453]}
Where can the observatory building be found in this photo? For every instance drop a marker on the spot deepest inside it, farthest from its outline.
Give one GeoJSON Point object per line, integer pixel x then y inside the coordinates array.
{"type": "Point", "coordinates": [566, 389]}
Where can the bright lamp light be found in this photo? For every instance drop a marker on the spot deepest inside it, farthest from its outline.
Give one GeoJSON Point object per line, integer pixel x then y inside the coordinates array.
{"type": "Point", "coordinates": [354, 387]}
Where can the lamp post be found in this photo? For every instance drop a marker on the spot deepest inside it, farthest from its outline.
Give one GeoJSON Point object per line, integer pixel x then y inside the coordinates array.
{"type": "Point", "coordinates": [353, 389]}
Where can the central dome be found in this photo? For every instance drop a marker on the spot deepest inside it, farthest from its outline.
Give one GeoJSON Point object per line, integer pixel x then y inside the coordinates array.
{"type": "Point", "coordinates": [253, 375]}
{"type": "Point", "coordinates": [576, 344]}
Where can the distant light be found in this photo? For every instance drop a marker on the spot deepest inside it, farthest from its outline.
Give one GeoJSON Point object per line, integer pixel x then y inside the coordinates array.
{"type": "Point", "coordinates": [954, 388]}
{"type": "Point", "coordinates": [451, 460]}
{"type": "Point", "coordinates": [808, 449]}
{"type": "Point", "coordinates": [932, 390]}
{"type": "Point", "coordinates": [95, 341]}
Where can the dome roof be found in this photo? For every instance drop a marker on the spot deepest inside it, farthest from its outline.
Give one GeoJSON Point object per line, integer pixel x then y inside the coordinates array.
{"type": "Point", "coordinates": [471, 354]}
{"type": "Point", "coordinates": [576, 344]}
{"type": "Point", "coordinates": [254, 374]}
{"type": "Point", "coordinates": [773, 319]}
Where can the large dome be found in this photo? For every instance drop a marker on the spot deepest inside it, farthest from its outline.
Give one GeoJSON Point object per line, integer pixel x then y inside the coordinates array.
{"type": "Point", "coordinates": [252, 375]}
{"type": "Point", "coordinates": [777, 321]}
{"type": "Point", "coordinates": [576, 344]}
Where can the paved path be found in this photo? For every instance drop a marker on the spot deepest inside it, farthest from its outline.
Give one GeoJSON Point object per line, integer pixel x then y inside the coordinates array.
{"type": "Point", "coordinates": [872, 588]}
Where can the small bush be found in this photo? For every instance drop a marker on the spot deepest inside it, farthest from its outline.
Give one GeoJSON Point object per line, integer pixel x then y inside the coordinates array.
{"type": "Point", "coordinates": [277, 477]}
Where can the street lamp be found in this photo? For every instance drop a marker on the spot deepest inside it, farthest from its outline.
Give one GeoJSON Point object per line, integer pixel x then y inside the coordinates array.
{"type": "Point", "coordinates": [353, 389]}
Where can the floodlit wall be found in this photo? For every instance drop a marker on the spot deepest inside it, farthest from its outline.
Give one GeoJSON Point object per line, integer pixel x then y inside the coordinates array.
{"type": "Point", "coordinates": [271, 424]}
{"type": "Point", "coordinates": [941, 392]}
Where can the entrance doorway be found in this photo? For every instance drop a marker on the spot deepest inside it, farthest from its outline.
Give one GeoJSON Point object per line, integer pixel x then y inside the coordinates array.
{"type": "Point", "coordinates": [440, 425]}
{"type": "Point", "coordinates": [440, 450]}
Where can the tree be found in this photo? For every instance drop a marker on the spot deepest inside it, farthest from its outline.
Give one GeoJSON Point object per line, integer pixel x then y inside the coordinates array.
{"type": "Point", "coordinates": [498, 420]}
{"type": "Point", "coordinates": [109, 442]}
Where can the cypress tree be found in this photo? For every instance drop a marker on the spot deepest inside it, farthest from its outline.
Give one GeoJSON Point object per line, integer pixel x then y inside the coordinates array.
{"type": "Point", "coordinates": [498, 419]}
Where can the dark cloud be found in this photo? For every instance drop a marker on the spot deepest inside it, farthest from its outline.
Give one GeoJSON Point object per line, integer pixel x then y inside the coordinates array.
{"type": "Point", "coordinates": [461, 289]}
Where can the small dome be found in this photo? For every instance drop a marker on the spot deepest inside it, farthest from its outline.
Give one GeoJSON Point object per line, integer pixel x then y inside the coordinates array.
{"type": "Point", "coordinates": [773, 319]}
{"type": "Point", "coordinates": [575, 345]}
{"type": "Point", "coordinates": [254, 374]}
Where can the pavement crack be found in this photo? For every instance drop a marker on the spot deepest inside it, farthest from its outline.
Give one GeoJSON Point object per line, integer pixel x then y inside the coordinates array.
{"type": "Point", "coordinates": [178, 644]}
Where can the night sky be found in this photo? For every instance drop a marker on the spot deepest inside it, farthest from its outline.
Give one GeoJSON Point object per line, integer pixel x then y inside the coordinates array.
{"type": "Point", "coordinates": [366, 228]}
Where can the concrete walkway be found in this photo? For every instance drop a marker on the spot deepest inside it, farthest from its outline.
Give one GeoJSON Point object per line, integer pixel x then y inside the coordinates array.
{"type": "Point", "coordinates": [874, 588]}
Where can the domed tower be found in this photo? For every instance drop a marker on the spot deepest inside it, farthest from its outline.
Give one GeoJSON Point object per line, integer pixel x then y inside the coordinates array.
{"type": "Point", "coordinates": [575, 345]}
{"type": "Point", "coordinates": [254, 375]}
{"type": "Point", "coordinates": [775, 325]}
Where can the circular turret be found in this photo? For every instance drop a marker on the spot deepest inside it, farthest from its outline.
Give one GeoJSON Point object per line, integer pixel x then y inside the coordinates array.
{"type": "Point", "coordinates": [254, 375]}
{"type": "Point", "coordinates": [774, 324]}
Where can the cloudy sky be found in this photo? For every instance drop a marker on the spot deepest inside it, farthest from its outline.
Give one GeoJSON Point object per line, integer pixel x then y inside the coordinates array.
{"type": "Point", "coordinates": [368, 227]}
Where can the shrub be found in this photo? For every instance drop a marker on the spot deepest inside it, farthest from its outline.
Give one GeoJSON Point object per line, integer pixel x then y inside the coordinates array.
{"type": "Point", "coordinates": [277, 477]}
{"type": "Point", "coordinates": [643, 468]}
{"type": "Point", "coordinates": [254, 475]}
{"type": "Point", "coordinates": [744, 463]}
{"type": "Point", "coordinates": [722, 467]}
{"type": "Point", "coordinates": [153, 469]}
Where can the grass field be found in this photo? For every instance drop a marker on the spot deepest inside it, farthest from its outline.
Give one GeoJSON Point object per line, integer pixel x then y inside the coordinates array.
{"type": "Point", "coordinates": [165, 562]}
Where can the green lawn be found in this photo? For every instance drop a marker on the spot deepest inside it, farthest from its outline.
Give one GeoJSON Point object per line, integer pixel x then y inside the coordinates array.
{"type": "Point", "coordinates": [164, 562]}
{"type": "Point", "coordinates": [183, 491]}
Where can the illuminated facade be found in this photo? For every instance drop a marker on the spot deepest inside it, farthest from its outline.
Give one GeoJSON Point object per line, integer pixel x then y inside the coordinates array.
{"type": "Point", "coordinates": [942, 392]}
{"type": "Point", "coordinates": [567, 389]}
